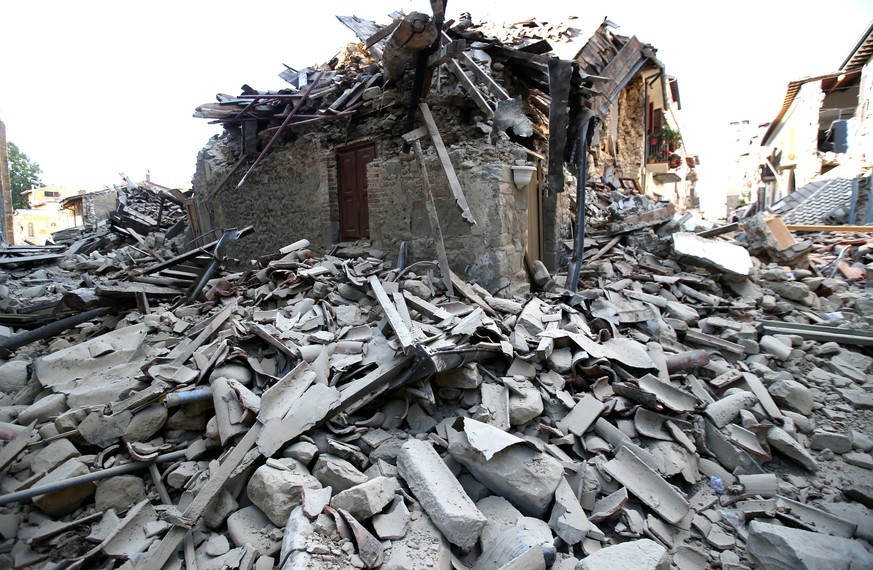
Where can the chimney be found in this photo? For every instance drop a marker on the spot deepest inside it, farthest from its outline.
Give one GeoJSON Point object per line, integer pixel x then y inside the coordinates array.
{"type": "Point", "coordinates": [148, 176]}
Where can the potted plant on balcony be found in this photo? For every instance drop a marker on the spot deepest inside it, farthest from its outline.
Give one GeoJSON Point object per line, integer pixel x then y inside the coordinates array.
{"type": "Point", "coordinates": [672, 138]}
{"type": "Point", "coordinates": [674, 160]}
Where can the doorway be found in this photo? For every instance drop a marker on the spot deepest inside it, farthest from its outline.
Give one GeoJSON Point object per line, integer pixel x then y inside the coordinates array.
{"type": "Point", "coordinates": [352, 173]}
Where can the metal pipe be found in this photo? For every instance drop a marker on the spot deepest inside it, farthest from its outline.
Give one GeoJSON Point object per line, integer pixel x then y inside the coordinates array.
{"type": "Point", "coordinates": [174, 399]}
{"type": "Point", "coordinates": [51, 329]}
{"type": "Point", "coordinates": [88, 478]}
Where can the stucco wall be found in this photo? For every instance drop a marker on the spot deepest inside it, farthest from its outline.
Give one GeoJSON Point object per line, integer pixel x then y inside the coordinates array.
{"type": "Point", "coordinates": [798, 137]}
{"type": "Point", "coordinates": [863, 150]}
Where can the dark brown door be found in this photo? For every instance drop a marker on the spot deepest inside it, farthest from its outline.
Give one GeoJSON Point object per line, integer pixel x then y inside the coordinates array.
{"type": "Point", "coordinates": [354, 217]}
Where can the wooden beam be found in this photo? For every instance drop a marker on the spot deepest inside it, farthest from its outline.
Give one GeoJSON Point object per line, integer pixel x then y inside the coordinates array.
{"type": "Point", "coordinates": [160, 555]}
{"type": "Point", "coordinates": [435, 228]}
{"type": "Point", "coordinates": [382, 34]}
{"type": "Point", "coordinates": [404, 336]}
{"type": "Point", "coordinates": [814, 228]}
{"type": "Point", "coordinates": [560, 71]}
{"type": "Point", "coordinates": [619, 71]}
{"type": "Point", "coordinates": [446, 52]}
{"type": "Point", "coordinates": [480, 73]}
{"type": "Point", "coordinates": [471, 88]}
{"type": "Point", "coordinates": [446, 162]}
{"type": "Point", "coordinates": [464, 288]}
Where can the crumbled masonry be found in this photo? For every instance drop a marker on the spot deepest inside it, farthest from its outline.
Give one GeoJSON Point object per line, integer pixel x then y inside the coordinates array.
{"type": "Point", "coordinates": [667, 413]}
{"type": "Point", "coordinates": [695, 400]}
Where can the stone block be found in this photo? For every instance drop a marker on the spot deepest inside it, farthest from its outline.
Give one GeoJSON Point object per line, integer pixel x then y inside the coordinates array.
{"type": "Point", "coordinates": [644, 554]}
{"type": "Point", "coordinates": [119, 493]}
{"type": "Point", "coordinates": [773, 546]}
{"type": "Point", "coordinates": [440, 494]}
{"type": "Point", "coordinates": [53, 455]}
{"type": "Point", "coordinates": [64, 501]}
{"type": "Point", "coordinates": [836, 442]}
{"type": "Point", "coordinates": [278, 491]}
{"type": "Point", "coordinates": [43, 409]}
{"type": "Point", "coordinates": [337, 473]}
{"type": "Point", "coordinates": [250, 525]}
{"type": "Point", "coordinates": [367, 499]}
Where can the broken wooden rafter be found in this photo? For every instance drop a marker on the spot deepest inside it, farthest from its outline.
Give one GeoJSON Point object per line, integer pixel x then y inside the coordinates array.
{"type": "Point", "coordinates": [433, 217]}
{"type": "Point", "coordinates": [446, 52]}
{"type": "Point", "coordinates": [446, 162]}
{"type": "Point", "coordinates": [493, 87]}
{"type": "Point", "coordinates": [472, 90]}
{"type": "Point", "coordinates": [270, 144]}
{"type": "Point", "coordinates": [404, 336]}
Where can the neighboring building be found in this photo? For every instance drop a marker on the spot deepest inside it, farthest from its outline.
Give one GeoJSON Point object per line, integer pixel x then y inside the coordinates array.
{"type": "Point", "coordinates": [35, 224]}
{"type": "Point", "coordinates": [348, 176]}
{"type": "Point", "coordinates": [742, 181]}
{"type": "Point", "coordinates": [818, 149]}
{"type": "Point", "coordinates": [89, 208]}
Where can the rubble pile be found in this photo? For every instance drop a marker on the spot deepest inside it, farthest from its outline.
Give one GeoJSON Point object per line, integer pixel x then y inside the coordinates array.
{"type": "Point", "coordinates": [338, 412]}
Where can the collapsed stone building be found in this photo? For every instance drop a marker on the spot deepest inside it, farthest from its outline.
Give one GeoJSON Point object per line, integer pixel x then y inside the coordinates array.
{"type": "Point", "coordinates": [690, 406]}
{"type": "Point", "coordinates": [499, 99]}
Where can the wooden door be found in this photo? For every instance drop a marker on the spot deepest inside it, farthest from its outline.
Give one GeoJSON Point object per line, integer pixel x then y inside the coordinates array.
{"type": "Point", "coordinates": [353, 213]}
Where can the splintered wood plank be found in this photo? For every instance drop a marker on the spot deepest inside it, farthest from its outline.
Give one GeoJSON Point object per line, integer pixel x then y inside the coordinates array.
{"type": "Point", "coordinates": [11, 450]}
{"type": "Point", "coordinates": [446, 52]}
{"type": "Point", "coordinates": [480, 73]}
{"type": "Point", "coordinates": [471, 294]}
{"type": "Point", "coordinates": [471, 88]}
{"type": "Point", "coordinates": [560, 71]}
{"type": "Point", "coordinates": [426, 308]}
{"type": "Point", "coordinates": [618, 71]}
{"type": "Point", "coordinates": [446, 162]}
{"type": "Point", "coordinates": [404, 336]}
{"type": "Point", "coordinates": [160, 555]}
{"type": "Point", "coordinates": [433, 218]}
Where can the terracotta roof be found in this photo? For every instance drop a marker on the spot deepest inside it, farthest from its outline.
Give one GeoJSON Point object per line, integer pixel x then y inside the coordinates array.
{"type": "Point", "coordinates": [829, 81]}
{"type": "Point", "coordinates": [861, 53]}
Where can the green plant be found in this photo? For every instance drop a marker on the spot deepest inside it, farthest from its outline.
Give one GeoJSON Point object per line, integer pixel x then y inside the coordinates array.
{"type": "Point", "coordinates": [672, 137]}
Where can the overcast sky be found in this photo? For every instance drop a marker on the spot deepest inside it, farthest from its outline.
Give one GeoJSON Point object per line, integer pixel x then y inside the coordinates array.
{"type": "Point", "coordinates": [89, 89]}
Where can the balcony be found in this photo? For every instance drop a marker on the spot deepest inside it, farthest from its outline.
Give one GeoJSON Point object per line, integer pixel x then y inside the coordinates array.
{"type": "Point", "coordinates": [662, 147]}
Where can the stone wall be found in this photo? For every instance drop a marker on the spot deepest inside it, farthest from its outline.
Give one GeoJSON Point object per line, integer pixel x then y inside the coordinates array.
{"type": "Point", "coordinates": [285, 199]}
{"type": "Point", "coordinates": [293, 195]}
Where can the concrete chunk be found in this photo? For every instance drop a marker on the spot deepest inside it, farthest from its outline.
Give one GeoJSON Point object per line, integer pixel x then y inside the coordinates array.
{"type": "Point", "coordinates": [786, 548]}
{"type": "Point", "coordinates": [391, 525]}
{"type": "Point", "coordinates": [719, 255]}
{"type": "Point", "coordinates": [568, 520]}
{"type": "Point", "coordinates": [367, 499]}
{"type": "Point", "coordinates": [440, 493]}
{"type": "Point", "coordinates": [642, 554]}
{"type": "Point", "coordinates": [278, 491]}
{"type": "Point", "coordinates": [792, 395]}
{"type": "Point", "coordinates": [524, 476]}
{"type": "Point", "coordinates": [337, 473]}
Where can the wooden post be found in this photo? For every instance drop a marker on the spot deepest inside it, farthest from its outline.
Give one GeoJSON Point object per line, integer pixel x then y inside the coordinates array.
{"type": "Point", "coordinates": [585, 129]}
{"type": "Point", "coordinates": [7, 231]}
{"type": "Point", "coordinates": [434, 221]}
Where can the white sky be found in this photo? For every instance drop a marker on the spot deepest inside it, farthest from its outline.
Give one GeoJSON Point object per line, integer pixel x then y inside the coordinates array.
{"type": "Point", "coordinates": [89, 89]}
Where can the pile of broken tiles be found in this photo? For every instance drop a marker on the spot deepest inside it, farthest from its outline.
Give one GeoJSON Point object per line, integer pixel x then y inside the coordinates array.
{"type": "Point", "coordinates": [334, 412]}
